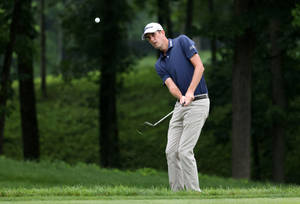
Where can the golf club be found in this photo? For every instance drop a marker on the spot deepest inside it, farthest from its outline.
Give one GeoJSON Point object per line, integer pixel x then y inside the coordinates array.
{"type": "Point", "coordinates": [151, 124]}
{"type": "Point", "coordinates": [146, 123]}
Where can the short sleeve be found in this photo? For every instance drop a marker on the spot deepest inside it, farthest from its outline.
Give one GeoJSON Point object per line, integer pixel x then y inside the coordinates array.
{"type": "Point", "coordinates": [188, 46]}
{"type": "Point", "coordinates": [164, 75]}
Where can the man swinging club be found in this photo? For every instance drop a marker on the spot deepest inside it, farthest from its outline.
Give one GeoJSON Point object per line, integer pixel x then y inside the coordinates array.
{"type": "Point", "coordinates": [181, 70]}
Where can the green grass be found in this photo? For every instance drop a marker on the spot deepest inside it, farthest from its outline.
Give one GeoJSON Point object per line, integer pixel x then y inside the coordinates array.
{"type": "Point", "coordinates": [164, 201]}
{"type": "Point", "coordinates": [26, 181]}
{"type": "Point", "coordinates": [47, 174]}
{"type": "Point", "coordinates": [190, 201]}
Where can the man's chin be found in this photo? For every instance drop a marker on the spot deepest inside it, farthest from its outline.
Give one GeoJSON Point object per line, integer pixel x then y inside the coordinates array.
{"type": "Point", "coordinates": [156, 47]}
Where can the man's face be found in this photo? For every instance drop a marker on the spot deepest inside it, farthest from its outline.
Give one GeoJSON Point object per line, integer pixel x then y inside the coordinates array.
{"type": "Point", "coordinates": [155, 39]}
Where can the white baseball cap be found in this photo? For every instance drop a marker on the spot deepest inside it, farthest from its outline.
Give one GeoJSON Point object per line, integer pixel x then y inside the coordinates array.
{"type": "Point", "coordinates": [151, 28]}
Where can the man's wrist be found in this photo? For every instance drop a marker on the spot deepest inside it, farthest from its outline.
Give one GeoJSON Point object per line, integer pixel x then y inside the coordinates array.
{"type": "Point", "coordinates": [190, 94]}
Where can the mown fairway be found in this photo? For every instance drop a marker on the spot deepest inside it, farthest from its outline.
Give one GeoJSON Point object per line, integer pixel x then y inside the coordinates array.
{"type": "Point", "coordinates": [58, 182]}
{"type": "Point", "coordinates": [193, 201]}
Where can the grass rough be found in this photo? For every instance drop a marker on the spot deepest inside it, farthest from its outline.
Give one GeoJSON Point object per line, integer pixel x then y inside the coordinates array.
{"type": "Point", "coordinates": [23, 180]}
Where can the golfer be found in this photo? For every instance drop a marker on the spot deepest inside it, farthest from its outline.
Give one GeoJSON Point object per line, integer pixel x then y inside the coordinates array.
{"type": "Point", "coordinates": [181, 70]}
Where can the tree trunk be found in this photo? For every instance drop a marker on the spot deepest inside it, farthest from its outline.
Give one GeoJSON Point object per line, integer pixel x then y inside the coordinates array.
{"type": "Point", "coordinates": [160, 12]}
{"type": "Point", "coordinates": [29, 122]}
{"type": "Point", "coordinates": [43, 50]}
{"type": "Point", "coordinates": [189, 17]}
{"type": "Point", "coordinates": [160, 17]}
{"type": "Point", "coordinates": [279, 101]}
{"type": "Point", "coordinates": [256, 175]}
{"type": "Point", "coordinates": [5, 71]}
{"type": "Point", "coordinates": [213, 41]}
{"type": "Point", "coordinates": [241, 98]}
{"type": "Point", "coordinates": [109, 141]}
{"type": "Point", "coordinates": [168, 13]}
{"type": "Point", "coordinates": [113, 40]}
{"type": "Point", "coordinates": [164, 16]}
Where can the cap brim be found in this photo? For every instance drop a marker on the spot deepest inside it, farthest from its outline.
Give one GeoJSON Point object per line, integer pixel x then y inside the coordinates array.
{"type": "Point", "coordinates": [149, 31]}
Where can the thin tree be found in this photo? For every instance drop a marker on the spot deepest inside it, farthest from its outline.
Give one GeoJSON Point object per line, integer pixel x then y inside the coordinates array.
{"type": "Point", "coordinates": [29, 123]}
{"type": "Point", "coordinates": [5, 71]}
{"type": "Point", "coordinates": [189, 17]}
{"type": "Point", "coordinates": [213, 40]}
{"type": "Point", "coordinates": [43, 50]}
{"type": "Point", "coordinates": [279, 100]}
{"type": "Point", "coordinates": [168, 14]}
{"type": "Point", "coordinates": [281, 17]}
{"type": "Point", "coordinates": [112, 55]}
{"type": "Point", "coordinates": [164, 16]}
{"type": "Point", "coordinates": [241, 94]}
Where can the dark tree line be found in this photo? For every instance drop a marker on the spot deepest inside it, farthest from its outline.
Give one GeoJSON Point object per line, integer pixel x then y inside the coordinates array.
{"type": "Point", "coordinates": [256, 25]}
{"type": "Point", "coordinates": [255, 34]}
{"type": "Point", "coordinates": [105, 48]}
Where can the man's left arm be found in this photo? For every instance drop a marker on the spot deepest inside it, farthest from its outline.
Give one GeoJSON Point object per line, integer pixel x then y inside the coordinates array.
{"type": "Point", "coordinates": [198, 72]}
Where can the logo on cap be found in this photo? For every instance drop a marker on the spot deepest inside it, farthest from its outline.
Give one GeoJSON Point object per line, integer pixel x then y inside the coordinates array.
{"type": "Point", "coordinates": [148, 27]}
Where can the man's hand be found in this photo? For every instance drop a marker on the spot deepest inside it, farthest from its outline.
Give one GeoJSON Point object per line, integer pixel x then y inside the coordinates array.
{"type": "Point", "coordinates": [188, 98]}
{"type": "Point", "coordinates": [182, 100]}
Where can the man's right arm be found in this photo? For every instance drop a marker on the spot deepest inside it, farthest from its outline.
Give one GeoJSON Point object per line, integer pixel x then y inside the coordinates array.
{"type": "Point", "coordinates": [174, 90]}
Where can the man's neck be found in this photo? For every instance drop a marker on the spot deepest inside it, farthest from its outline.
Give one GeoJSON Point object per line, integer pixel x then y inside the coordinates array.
{"type": "Point", "coordinates": [165, 46]}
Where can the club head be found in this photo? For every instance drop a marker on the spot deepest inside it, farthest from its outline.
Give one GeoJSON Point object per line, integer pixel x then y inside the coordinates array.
{"type": "Point", "coordinates": [144, 127]}
{"type": "Point", "coordinates": [138, 131]}
{"type": "Point", "coordinates": [149, 124]}
{"type": "Point", "coordinates": [141, 129]}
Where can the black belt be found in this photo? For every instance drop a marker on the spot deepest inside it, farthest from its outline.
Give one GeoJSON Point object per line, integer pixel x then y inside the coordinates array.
{"type": "Point", "coordinates": [198, 97]}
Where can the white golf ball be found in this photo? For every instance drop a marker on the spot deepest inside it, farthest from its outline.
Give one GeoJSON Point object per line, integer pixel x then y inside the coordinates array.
{"type": "Point", "coordinates": [97, 19]}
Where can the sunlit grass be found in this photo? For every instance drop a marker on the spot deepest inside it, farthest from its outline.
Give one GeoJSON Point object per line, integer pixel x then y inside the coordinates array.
{"type": "Point", "coordinates": [58, 179]}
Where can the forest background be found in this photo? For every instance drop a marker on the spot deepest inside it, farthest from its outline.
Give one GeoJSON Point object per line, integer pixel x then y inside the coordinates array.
{"type": "Point", "coordinates": [75, 90]}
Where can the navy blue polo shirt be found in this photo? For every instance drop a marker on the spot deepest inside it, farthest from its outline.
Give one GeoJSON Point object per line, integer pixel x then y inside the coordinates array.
{"type": "Point", "coordinates": [177, 65]}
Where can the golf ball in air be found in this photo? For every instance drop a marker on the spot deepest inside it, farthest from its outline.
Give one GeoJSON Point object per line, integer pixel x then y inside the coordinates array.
{"type": "Point", "coordinates": [97, 20]}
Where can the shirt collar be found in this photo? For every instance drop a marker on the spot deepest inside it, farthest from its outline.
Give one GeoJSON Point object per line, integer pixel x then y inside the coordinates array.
{"type": "Point", "coordinates": [170, 45]}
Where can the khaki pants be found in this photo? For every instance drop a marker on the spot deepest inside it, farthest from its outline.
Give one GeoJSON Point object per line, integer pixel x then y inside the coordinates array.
{"type": "Point", "coordinates": [184, 130]}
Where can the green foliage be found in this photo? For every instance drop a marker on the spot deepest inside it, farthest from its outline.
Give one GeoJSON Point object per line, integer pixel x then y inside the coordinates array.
{"type": "Point", "coordinates": [144, 99]}
{"type": "Point", "coordinates": [294, 52]}
{"type": "Point", "coordinates": [68, 120]}
{"type": "Point", "coordinates": [5, 14]}
{"type": "Point", "coordinates": [90, 44]}
{"type": "Point", "coordinates": [54, 45]}
{"type": "Point", "coordinates": [68, 123]}
{"type": "Point", "coordinates": [6, 8]}
{"type": "Point", "coordinates": [296, 15]}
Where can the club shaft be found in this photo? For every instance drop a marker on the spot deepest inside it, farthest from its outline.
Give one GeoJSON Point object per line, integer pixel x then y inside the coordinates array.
{"type": "Point", "coordinates": [163, 118]}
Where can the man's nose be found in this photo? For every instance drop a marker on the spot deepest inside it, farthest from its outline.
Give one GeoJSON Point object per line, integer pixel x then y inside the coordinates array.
{"type": "Point", "coordinates": [151, 38]}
